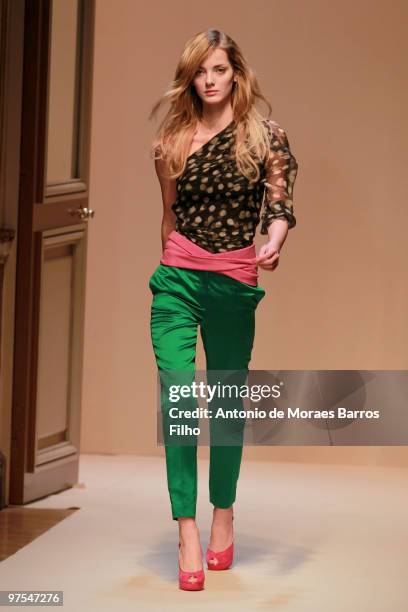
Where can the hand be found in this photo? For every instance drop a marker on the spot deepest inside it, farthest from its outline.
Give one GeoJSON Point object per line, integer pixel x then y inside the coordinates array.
{"type": "Point", "coordinates": [268, 257]}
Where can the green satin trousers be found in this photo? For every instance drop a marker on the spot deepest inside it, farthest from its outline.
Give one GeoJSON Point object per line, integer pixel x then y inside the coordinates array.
{"type": "Point", "coordinates": [224, 309]}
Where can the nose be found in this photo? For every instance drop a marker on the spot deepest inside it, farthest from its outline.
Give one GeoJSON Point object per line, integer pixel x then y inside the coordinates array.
{"type": "Point", "coordinates": [209, 81]}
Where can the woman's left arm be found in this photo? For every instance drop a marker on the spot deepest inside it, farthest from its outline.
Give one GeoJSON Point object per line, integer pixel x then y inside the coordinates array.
{"type": "Point", "coordinates": [277, 217]}
{"type": "Point", "coordinates": [268, 257]}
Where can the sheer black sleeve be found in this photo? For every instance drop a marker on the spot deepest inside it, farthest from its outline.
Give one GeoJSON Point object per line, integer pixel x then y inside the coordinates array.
{"type": "Point", "coordinates": [281, 170]}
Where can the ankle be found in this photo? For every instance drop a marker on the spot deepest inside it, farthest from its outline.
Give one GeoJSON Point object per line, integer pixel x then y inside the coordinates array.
{"type": "Point", "coordinates": [186, 521]}
{"type": "Point", "coordinates": [223, 515]}
{"type": "Point", "coordinates": [188, 530]}
{"type": "Point", "coordinates": [229, 510]}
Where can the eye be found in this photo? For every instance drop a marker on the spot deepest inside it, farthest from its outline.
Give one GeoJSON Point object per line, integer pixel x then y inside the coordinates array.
{"type": "Point", "coordinates": [200, 70]}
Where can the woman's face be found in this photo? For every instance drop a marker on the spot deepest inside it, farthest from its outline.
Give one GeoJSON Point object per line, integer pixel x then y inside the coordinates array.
{"type": "Point", "coordinates": [214, 74]}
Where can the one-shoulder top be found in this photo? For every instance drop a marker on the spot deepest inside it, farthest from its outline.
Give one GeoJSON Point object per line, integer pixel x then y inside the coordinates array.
{"type": "Point", "coordinates": [218, 208]}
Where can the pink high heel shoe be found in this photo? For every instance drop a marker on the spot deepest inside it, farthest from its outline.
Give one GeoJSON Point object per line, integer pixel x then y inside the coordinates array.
{"type": "Point", "coordinates": [221, 560]}
{"type": "Point", "coordinates": [191, 585]}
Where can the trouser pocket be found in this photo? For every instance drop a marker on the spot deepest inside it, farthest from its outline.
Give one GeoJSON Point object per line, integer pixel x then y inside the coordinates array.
{"type": "Point", "coordinates": [152, 279]}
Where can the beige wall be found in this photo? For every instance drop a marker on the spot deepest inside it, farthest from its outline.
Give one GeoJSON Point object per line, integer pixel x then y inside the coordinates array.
{"type": "Point", "coordinates": [336, 77]}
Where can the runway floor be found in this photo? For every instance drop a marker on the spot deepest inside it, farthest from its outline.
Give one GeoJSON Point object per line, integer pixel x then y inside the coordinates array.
{"type": "Point", "coordinates": [309, 538]}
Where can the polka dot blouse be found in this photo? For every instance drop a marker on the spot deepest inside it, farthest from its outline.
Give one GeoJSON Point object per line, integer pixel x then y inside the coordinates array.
{"type": "Point", "coordinates": [216, 206]}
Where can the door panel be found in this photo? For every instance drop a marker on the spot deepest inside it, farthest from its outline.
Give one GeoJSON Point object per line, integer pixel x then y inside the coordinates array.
{"type": "Point", "coordinates": [54, 213]}
{"type": "Point", "coordinates": [64, 92]}
{"type": "Point", "coordinates": [59, 368]}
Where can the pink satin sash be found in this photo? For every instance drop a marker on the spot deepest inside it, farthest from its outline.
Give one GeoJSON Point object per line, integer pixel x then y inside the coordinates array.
{"type": "Point", "coordinates": [239, 264]}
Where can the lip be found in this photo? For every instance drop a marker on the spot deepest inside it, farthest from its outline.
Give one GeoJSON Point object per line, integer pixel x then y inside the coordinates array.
{"type": "Point", "coordinates": [210, 92]}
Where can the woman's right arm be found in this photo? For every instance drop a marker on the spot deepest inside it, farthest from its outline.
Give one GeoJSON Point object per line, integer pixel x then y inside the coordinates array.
{"type": "Point", "coordinates": [169, 193]}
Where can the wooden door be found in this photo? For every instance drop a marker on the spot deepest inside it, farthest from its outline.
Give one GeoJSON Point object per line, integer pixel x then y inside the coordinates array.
{"type": "Point", "coordinates": [53, 217]}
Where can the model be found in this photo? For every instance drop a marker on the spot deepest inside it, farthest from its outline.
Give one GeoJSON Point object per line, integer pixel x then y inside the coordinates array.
{"type": "Point", "coordinates": [222, 168]}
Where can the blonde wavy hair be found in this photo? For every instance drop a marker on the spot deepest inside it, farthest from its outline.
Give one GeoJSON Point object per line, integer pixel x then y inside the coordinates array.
{"type": "Point", "coordinates": [175, 132]}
